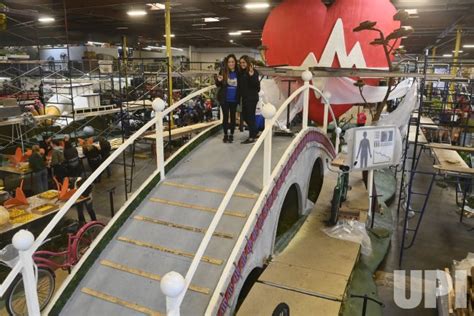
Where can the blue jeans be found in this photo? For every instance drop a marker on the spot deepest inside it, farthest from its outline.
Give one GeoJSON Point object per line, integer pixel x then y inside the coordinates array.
{"type": "Point", "coordinates": [40, 181]}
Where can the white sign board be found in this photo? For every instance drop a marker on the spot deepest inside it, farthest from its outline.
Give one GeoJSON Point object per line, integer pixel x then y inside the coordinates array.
{"type": "Point", "coordinates": [374, 147]}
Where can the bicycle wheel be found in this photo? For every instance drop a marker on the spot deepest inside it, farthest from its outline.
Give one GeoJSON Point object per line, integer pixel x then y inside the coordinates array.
{"type": "Point", "coordinates": [335, 205]}
{"type": "Point", "coordinates": [86, 238]}
{"type": "Point", "coordinates": [16, 300]}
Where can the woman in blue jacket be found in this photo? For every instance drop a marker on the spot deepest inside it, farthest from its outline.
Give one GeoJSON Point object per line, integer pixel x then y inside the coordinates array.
{"type": "Point", "coordinates": [228, 95]}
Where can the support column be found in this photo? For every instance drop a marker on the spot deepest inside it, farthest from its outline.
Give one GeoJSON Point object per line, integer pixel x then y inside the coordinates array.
{"type": "Point", "coordinates": [169, 55]}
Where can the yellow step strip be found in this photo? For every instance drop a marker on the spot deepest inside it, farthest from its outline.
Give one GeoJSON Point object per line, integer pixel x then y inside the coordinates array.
{"type": "Point", "coordinates": [197, 207]}
{"type": "Point", "coordinates": [185, 227]}
{"type": "Point", "coordinates": [207, 189]}
{"type": "Point", "coordinates": [148, 275]}
{"type": "Point", "coordinates": [118, 301]}
{"type": "Point", "coordinates": [169, 250]}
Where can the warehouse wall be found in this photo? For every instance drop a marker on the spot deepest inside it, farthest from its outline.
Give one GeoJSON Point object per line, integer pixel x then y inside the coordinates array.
{"type": "Point", "coordinates": [209, 56]}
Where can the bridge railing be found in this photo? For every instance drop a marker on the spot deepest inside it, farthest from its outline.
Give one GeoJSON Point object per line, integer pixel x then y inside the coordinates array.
{"type": "Point", "coordinates": [24, 240]}
{"type": "Point", "coordinates": [175, 286]}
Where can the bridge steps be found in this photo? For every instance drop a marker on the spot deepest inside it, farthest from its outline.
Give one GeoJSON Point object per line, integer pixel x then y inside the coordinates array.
{"type": "Point", "coordinates": [165, 231]}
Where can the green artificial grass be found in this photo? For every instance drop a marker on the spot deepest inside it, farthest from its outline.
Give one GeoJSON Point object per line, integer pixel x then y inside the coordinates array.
{"type": "Point", "coordinates": [72, 285]}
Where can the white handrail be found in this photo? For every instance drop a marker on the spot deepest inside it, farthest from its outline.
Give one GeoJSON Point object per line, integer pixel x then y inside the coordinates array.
{"type": "Point", "coordinates": [70, 202]}
{"type": "Point", "coordinates": [220, 211]}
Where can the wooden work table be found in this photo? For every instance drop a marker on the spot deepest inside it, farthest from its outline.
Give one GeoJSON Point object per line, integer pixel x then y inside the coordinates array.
{"type": "Point", "coordinates": [36, 201]}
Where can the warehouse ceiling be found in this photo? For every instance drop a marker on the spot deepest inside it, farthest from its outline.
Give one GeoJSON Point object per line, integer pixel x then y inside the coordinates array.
{"type": "Point", "coordinates": [106, 20]}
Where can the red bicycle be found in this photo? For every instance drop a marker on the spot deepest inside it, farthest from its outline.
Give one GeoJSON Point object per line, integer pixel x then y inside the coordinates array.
{"type": "Point", "coordinates": [47, 262]}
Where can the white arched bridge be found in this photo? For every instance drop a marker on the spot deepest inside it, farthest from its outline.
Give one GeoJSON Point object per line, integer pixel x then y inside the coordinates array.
{"type": "Point", "coordinates": [211, 213]}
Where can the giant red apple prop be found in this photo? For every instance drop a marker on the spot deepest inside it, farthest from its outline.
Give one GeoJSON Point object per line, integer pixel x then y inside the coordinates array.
{"type": "Point", "coordinates": [297, 28]}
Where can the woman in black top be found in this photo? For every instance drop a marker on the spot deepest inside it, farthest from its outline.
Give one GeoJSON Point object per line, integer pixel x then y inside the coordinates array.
{"type": "Point", "coordinates": [249, 87]}
{"type": "Point", "coordinates": [94, 159]}
{"type": "Point", "coordinates": [71, 160]}
{"type": "Point", "coordinates": [228, 95]}
{"type": "Point", "coordinates": [105, 149]}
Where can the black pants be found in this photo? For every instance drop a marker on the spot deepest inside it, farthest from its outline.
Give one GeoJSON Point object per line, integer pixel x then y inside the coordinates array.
{"type": "Point", "coordinates": [248, 113]}
{"type": "Point", "coordinates": [90, 210]}
{"type": "Point", "coordinates": [228, 108]}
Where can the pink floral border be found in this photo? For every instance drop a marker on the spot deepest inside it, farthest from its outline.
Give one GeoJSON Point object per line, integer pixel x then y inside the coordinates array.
{"type": "Point", "coordinates": [310, 137]}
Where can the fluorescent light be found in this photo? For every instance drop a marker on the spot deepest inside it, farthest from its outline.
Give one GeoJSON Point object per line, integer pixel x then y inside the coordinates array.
{"type": "Point", "coordinates": [136, 12]}
{"type": "Point", "coordinates": [46, 19]}
{"type": "Point", "coordinates": [468, 46]}
{"type": "Point", "coordinates": [156, 6]}
{"type": "Point", "coordinates": [231, 41]}
{"type": "Point", "coordinates": [235, 33]}
{"type": "Point", "coordinates": [448, 55]}
{"type": "Point", "coordinates": [95, 43]}
{"type": "Point", "coordinates": [245, 31]}
{"type": "Point", "coordinates": [171, 35]}
{"type": "Point", "coordinates": [401, 46]}
{"type": "Point", "coordinates": [172, 48]}
{"type": "Point", "coordinates": [459, 51]}
{"type": "Point", "coordinates": [209, 20]}
{"type": "Point", "coordinates": [257, 5]}
{"type": "Point", "coordinates": [199, 24]}
{"type": "Point", "coordinates": [412, 11]}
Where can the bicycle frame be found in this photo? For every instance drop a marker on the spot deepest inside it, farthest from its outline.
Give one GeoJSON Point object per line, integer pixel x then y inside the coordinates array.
{"type": "Point", "coordinates": [43, 258]}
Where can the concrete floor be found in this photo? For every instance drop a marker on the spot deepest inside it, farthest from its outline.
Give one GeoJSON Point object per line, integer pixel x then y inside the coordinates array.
{"type": "Point", "coordinates": [441, 239]}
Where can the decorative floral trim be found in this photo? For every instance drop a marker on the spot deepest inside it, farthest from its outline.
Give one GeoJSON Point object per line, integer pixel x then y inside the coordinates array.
{"type": "Point", "coordinates": [311, 137]}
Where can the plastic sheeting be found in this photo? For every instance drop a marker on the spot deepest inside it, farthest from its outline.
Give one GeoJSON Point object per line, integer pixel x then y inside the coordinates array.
{"type": "Point", "coordinates": [401, 115]}
{"type": "Point", "coordinates": [276, 92]}
{"type": "Point", "coordinates": [343, 91]}
{"type": "Point", "coordinates": [352, 231]}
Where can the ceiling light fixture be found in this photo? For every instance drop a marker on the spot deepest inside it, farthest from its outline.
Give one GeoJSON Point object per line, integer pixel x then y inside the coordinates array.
{"type": "Point", "coordinates": [46, 19]}
{"type": "Point", "coordinates": [468, 46]}
{"type": "Point", "coordinates": [448, 55]}
{"type": "Point", "coordinates": [122, 27]}
{"type": "Point", "coordinates": [245, 31]}
{"type": "Point", "coordinates": [199, 24]}
{"type": "Point", "coordinates": [412, 11]}
{"type": "Point", "coordinates": [231, 41]}
{"type": "Point", "coordinates": [235, 33]}
{"type": "Point", "coordinates": [257, 5]}
{"type": "Point", "coordinates": [459, 51]}
{"type": "Point", "coordinates": [211, 19]}
{"type": "Point", "coordinates": [156, 6]}
{"type": "Point", "coordinates": [136, 13]}
{"type": "Point", "coordinates": [171, 35]}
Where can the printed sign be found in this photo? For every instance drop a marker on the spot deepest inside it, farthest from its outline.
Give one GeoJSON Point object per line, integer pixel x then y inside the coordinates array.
{"type": "Point", "coordinates": [374, 147]}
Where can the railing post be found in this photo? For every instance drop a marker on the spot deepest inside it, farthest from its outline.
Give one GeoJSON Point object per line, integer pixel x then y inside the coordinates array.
{"type": "Point", "coordinates": [158, 106]}
{"type": "Point", "coordinates": [172, 285]}
{"type": "Point", "coordinates": [22, 241]}
{"type": "Point", "coordinates": [338, 139]}
{"type": "Point", "coordinates": [306, 76]}
{"type": "Point", "coordinates": [326, 98]}
{"type": "Point", "coordinates": [268, 112]}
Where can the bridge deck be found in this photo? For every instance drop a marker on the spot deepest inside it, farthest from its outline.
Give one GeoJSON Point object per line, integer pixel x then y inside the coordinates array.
{"type": "Point", "coordinates": [310, 281]}
{"type": "Point", "coordinates": [164, 232]}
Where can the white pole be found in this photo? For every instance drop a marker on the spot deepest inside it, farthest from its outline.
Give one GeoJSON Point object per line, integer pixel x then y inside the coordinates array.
{"type": "Point", "coordinates": [268, 112]}
{"type": "Point", "coordinates": [172, 285]}
{"type": "Point", "coordinates": [22, 241]}
{"type": "Point", "coordinates": [326, 118]}
{"type": "Point", "coordinates": [160, 152]}
{"type": "Point", "coordinates": [370, 188]}
{"type": "Point", "coordinates": [158, 106]}
{"type": "Point", "coordinates": [306, 76]}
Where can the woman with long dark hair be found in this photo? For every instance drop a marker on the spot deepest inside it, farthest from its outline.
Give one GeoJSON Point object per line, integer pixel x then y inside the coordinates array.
{"type": "Point", "coordinates": [249, 87]}
{"type": "Point", "coordinates": [228, 95]}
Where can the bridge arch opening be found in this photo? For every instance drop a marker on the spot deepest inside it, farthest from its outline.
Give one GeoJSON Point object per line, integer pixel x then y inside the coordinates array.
{"type": "Point", "coordinates": [249, 282]}
{"type": "Point", "coordinates": [316, 180]}
{"type": "Point", "coordinates": [290, 211]}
